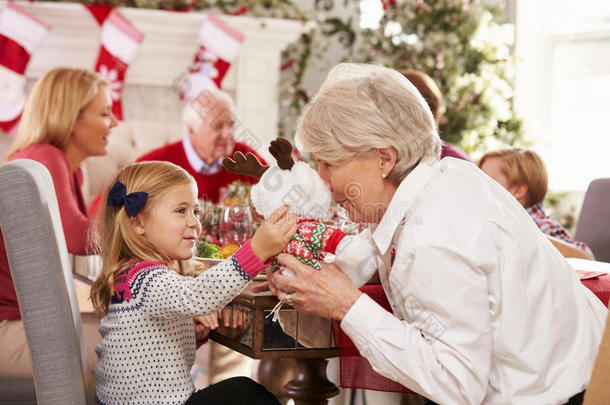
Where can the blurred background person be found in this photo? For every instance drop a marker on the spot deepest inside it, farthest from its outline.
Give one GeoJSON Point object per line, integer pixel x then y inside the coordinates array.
{"type": "Point", "coordinates": [523, 173]}
{"type": "Point", "coordinates": [67, 118]}
{"type": "Point", "coordinates": [208, 127]}
{"type": "Point", "coordinates": [432, 94]}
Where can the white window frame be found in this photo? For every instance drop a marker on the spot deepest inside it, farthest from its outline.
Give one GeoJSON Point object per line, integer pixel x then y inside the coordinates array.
{"type": "Point", "coordinates": [538, 35]}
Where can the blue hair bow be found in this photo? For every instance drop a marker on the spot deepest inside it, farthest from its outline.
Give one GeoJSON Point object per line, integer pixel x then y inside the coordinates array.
{"type": "Point", "coordinates": [133, 202]}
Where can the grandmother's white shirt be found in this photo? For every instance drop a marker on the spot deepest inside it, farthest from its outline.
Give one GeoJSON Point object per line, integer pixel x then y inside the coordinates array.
{"type": "Point", "coordinates": [486, 310]}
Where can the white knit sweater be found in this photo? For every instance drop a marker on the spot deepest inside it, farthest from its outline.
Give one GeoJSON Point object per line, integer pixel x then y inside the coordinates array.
{"type": "Point", "coordinates": [148, 338]}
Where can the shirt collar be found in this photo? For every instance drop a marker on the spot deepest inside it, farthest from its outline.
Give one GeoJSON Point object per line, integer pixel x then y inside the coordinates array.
{"type": "Point", "coordinates": [195, 160]}
{"type": "Point", "coordinates": [402, 200]}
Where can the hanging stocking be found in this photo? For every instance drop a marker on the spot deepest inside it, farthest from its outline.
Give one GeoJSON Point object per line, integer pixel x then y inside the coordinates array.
{"type": "Point", "coordinates": [388, 3]}
{"type": "Point", "coordinates": [218, 46]}
{"type": "Point", "coordinates": [20, 34]}
{"type": "Point", "coordinates": [120, 41]}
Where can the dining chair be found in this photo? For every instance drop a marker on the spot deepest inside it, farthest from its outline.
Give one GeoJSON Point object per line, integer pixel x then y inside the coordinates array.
{"type": "Point", "coordinates": [593, 226]}
{"type": "Point", "coordinates": [41, 271]}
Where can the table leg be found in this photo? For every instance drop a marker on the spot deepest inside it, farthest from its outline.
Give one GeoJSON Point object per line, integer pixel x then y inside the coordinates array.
{"type": "Point", "coordinates": [311, 385]}
{"type": "Point", "coordinates": [275, 373]}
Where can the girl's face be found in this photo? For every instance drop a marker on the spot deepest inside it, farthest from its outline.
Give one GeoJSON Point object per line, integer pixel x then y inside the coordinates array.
{"type": "Point", "coordinates": [91, 129]}
{"type": "Point", "coordinates": [172, 223]}
{"type": "Point", "coordinates": [356, 185]}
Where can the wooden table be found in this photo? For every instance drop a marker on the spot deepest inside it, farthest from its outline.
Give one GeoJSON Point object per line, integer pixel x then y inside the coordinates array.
{"type": "Point", "coordinates": [310, 386]}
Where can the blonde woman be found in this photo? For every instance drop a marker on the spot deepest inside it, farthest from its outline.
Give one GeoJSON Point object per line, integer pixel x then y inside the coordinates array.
{"type": "Point", "coordinates": [484, 310]}
{"type": "Point", "coordinates": [150, 223]}
{"type": "Point", "coordinates": [523, 173]}
{"type": "Point", "coordinates": [67, 118]}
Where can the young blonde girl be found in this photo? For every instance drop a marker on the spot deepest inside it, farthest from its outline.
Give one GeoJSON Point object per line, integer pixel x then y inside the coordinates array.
{"type": "Point", "coordinates": [147, 229]}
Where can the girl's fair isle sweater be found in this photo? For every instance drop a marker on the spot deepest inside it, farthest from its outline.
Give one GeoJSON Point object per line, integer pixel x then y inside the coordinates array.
{"type": "Point", "coordinates": [148, 338]}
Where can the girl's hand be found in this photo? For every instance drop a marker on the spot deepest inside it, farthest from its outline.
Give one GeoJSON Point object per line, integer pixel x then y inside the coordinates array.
{"type": "Point", "coordinates": [328, 292]}
{"type": "Point", "coordinates": [234, 319]}
{"type": "Point", "coordinates": [205, 323]}
{"type": "Point", "coordinates": [274, 234]}
{"type": "Point", "coordinates": [201, 332]}
{"type": "Point", "coordinates": [261, 287]}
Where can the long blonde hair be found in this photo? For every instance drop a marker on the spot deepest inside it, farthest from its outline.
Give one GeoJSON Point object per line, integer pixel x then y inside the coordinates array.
{"type": "Point", "coordinates": [114, 237]}
{"type": "Point", "coordinates": [54, 105]}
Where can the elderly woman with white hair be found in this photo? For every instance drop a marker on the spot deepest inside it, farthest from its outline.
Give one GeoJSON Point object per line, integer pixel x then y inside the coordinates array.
{"type": "Point", "coordinates": [484, 308]}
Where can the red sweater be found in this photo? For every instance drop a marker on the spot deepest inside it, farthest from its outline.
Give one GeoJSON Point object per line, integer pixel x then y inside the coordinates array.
{"type": "Point", "coordinates": [208, 184]}
{"type": "Point", "coordinates": [71, 209]}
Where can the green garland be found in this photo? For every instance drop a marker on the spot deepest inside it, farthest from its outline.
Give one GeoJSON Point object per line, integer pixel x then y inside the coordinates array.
{"type": "Point", "coordinates": [268, 8]}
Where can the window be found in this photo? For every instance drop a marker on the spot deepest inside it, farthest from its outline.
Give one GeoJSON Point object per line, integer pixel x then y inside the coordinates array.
{"type": "Point", "coordinates": [562, 86]}
{"type": "Point", "coordinates": [371, 12]}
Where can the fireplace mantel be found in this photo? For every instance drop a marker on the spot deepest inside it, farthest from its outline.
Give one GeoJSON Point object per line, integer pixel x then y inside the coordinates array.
{"type": "Point", "coordinates": [167, 50]}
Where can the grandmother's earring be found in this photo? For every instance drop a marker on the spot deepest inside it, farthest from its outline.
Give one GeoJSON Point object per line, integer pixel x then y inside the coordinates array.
{"type": "Point", "coordinates": [383, 175]}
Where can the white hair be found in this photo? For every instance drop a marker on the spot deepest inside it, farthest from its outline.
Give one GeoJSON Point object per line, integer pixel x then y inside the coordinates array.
{"type": "Point", "coordinates": [205, 103]}
{"type": "Point", "coordinates": [361, 108]}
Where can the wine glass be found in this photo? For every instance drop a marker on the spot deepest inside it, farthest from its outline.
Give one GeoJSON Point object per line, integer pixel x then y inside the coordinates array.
{"type": "Point", "coordinates": [210, 221]}
{"type": "Point", "coordinates": [236, 225]}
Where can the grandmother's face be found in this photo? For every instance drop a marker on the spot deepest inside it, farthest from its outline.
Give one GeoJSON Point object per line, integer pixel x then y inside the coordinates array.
{"type": "Point", "coordinates": [356, 185]}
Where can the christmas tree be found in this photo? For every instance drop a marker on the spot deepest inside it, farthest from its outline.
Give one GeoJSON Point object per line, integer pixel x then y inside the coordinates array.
{"type": "Point", "coordinates": [462, 47]}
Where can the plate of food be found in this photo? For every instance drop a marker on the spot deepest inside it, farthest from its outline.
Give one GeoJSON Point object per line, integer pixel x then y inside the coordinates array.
{"type": "Point", "coordinates": [209, 255]}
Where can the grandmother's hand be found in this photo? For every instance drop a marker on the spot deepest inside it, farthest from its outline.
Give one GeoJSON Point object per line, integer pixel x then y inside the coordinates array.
{"type": "Point", "coordinates": [328, 292]}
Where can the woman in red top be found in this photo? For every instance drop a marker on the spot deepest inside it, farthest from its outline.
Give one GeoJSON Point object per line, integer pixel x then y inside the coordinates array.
{"type": "Point", "coordinates": [67, 118]}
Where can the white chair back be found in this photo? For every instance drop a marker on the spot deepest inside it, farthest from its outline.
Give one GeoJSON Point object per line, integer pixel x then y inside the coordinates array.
{"type": "Point", "coordinates": [40, 267]}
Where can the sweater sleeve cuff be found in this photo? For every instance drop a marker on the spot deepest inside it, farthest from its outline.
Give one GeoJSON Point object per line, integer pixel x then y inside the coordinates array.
{"type": "Point", "coordinates": [250, 264]}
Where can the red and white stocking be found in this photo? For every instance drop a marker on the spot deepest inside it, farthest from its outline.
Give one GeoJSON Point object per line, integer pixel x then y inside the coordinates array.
{"type": "Point", "coordinates": [20, 34]}
{"type": "Point", "coordinates": [120, 41]}
{"type": "Point", "coordinates": [218, 46]}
